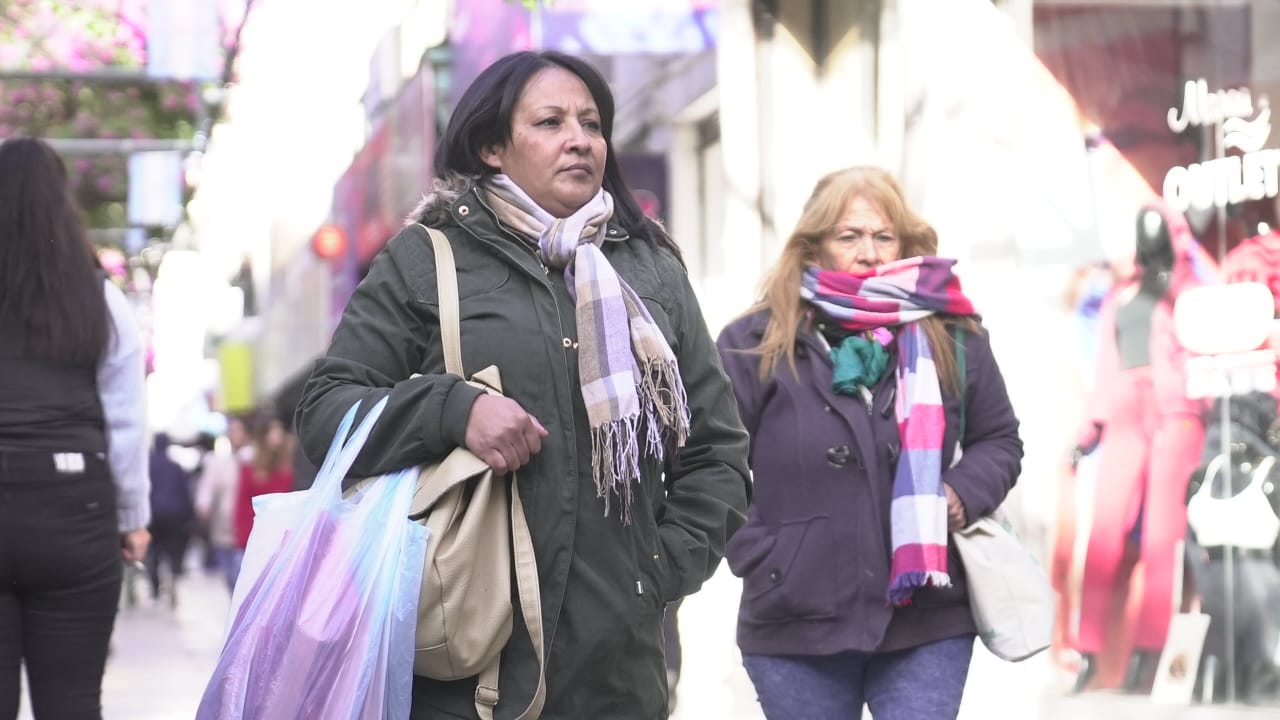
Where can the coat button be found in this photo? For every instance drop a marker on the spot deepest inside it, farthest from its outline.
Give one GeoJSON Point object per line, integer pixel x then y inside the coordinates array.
{"type": "Point", "coordinates": [464, 210]}
{"type": "Point", "coordinates": [827, 408]}
{"type": "Point", "coordinates": [567, 342]}
{"type": "Point", "coordinates": [838, 456]}
{"type": "Point", "coordinates": [775, 576]}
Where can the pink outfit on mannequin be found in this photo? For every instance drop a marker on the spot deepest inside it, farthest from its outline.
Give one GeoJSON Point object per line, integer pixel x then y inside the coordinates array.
{"type": "Point", "coordinates": [1153, 440]}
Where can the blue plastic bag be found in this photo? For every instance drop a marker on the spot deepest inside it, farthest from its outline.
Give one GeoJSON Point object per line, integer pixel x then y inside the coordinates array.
{"type": "Point", "coordinates": [324, 610]}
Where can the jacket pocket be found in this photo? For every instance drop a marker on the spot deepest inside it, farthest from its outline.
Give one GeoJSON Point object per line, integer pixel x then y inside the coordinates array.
{"type": "Point", "coordinates": [657, 571]}
{"type": "Point", "coordinates": [472, 282]}
{"type": "Point", "coordinates": [661, 319]}
{"type": "Point", "coordinates": [794, 578]}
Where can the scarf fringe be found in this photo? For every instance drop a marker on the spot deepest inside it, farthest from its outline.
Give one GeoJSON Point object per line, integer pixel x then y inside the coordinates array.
{"type": "Point", "coordinates": [615, 446]}
{"type": "Point", "coordinates": [615, 462]}
{"type": "Point", "coordinates": [905, 584]}
{"type": "Point", "coordinates": [666, 404]}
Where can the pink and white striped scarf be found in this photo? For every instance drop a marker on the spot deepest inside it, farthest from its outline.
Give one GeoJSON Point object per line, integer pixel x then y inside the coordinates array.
{"type": "Point", "coordinates": [627, 371]}
{"type": "Point", "coordinates": [900, 294]}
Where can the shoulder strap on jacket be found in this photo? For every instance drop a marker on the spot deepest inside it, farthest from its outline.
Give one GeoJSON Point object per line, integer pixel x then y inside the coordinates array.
{"type": "Point", "coordinates": [526, 567]}
{"type": "Point", "coordinates": [447, 290]}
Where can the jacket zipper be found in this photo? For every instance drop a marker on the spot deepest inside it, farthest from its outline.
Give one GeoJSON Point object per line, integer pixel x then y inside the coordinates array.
{"type": "Point", "coordinates": [546, 279]}
{"type": "Point", "coordinates": [639, 587]}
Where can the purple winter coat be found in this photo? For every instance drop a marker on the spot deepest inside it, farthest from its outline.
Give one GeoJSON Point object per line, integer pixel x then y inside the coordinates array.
{"type": "Point", "coordinates": [814, 555]}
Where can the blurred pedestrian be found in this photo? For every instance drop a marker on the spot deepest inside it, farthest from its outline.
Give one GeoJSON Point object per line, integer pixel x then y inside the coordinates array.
{"type": "Point", "coordinates": [73, 444]}
{"type": "Point", "coordinates": [848, 376]}
{"type": "Point", "coordinates": [269, 470]}
{"type": "Point", "coordinates": [609, 376]}
{"type": "Point", "coordinates": [172, 512]}
{"type": "Point", "coordinates": [218, 491]}
{"type": "Point", "coordinates": [205, 444]}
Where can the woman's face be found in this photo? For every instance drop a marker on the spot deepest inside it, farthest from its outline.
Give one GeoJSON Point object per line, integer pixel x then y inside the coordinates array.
{"type": "Point", "coordinates": [237, 435]}
{"type": "Point", "coordinates": [557, 150]}
{"type": "Point", "coordinates": [862, 240]}
{"type": "Point", "coordinates": [275, 434]}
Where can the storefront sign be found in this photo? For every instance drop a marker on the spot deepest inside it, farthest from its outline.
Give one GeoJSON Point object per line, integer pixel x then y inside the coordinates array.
{"type": "Point", "coordinates": [1232, 357]}
{"type": "Point", "coordinates": [1215, 376]}
{"type": "Point", "coordinates": [1241, 123]}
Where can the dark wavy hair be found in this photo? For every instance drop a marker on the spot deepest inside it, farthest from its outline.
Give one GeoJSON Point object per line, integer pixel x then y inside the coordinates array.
{"type": "Point", "coordinates": [483, 118]}
{"type": "Point", "coordinates": [49, 275]}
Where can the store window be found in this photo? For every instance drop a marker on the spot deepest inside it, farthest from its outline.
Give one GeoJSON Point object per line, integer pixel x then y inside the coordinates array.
{"type": "Point", "coordinates": [1175, 587]}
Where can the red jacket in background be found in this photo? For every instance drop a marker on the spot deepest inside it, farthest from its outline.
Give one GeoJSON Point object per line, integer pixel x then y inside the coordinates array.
{"type": "Point", "coordinates": [255, 482]}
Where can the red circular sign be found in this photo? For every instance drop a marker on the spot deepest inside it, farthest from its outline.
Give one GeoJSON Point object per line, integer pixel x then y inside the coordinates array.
{"type": "Point", "coordinates": [329, 242]}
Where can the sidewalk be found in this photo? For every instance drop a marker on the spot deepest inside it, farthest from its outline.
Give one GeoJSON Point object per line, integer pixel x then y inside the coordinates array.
{"type": "Point", "coordinates": [162, 659]}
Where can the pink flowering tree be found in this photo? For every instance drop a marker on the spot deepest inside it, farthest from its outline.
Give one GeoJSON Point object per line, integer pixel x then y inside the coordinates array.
{"type": "Point", "coordinates": [75, 69]}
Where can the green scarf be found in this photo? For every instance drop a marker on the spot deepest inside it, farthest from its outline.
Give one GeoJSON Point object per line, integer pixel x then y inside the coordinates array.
{"type": "Point", "coordinates": [859, 361]}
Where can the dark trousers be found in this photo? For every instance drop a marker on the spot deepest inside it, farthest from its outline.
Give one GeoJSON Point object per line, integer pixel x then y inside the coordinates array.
{"type": "Point", "coordinates": [60, 575]}
{"type": "Point", "coordinates": [170, 537]}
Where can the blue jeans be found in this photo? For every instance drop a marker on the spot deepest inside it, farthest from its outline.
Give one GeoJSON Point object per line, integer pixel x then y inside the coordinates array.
{"type": "Point", "coordinates": [920, 682]}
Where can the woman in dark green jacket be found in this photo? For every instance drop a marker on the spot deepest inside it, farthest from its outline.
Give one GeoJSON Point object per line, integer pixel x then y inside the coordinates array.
{"type": "Point", "coordinates": [618, 415]}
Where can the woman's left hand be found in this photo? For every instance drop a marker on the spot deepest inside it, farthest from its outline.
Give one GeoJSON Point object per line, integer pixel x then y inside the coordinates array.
{"type": "Point", "coordinates": [955, 510]}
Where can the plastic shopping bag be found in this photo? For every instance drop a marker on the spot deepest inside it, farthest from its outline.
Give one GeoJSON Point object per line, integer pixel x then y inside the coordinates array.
{"type": "Point", "coordinates": [323, 613]}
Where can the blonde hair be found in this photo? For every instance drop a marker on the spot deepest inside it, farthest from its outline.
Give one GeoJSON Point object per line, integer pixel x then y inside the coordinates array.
{"type": "Point", "coordinates": [822, 211]}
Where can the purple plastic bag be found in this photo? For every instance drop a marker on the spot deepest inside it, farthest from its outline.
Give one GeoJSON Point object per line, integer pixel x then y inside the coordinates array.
{"type": "Point", "coordinates": [322, 619]}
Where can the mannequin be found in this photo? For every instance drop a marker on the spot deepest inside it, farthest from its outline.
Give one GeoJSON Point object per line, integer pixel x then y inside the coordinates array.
{"type": "Point", "coordinates": [1153, 439]}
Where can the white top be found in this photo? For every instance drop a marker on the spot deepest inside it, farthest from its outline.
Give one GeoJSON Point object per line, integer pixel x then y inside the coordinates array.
{"type": "Point", "coordinates": [1244, 520]}
{"type": "Point", "coordinates": [217, 492]}
{"type": "Point", "coordinates": [122, 391]}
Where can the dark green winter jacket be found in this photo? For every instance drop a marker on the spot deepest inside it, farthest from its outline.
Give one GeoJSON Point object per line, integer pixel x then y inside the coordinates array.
{"type": "Point", "coordinates": [604, 584]}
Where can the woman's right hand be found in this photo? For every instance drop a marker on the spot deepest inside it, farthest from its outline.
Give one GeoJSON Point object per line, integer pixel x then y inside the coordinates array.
{"type": "Point", "coordinates": [133, 544]}
{"type": "Point", "coordinates": [1087, 441]}
{"type": "Point", "coordinates": [502, 434]}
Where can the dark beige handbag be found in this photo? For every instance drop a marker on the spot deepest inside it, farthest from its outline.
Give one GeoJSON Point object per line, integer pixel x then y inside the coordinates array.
{"type": "Point", "coordinates": [464, 609]}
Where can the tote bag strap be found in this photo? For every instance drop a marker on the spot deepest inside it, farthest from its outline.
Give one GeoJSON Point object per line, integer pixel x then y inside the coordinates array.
{"type": "Point", "coordinates": [526, 565]}
{"type": "Point", "coordinates": [447, 292]}
{"type": "Point", "coordinates": [530, 609]}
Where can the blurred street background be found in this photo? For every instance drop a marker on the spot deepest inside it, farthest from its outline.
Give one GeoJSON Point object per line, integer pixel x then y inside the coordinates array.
{"type": "Point", "coordinates": [241, 162]}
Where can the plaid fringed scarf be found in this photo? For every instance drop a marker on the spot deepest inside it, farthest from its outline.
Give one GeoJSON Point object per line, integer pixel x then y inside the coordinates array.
{"type": "Point", "coordinates": [901, 293]}
{"type": "Point", "coordinates": [628, 373]}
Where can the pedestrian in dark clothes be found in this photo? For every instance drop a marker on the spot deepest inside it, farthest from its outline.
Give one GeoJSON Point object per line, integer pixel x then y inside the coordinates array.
{"type": "Point", "coordinates": [172, 517]}
{"type": "Point", "coordinates": [73, 444]}
{"type": "Point", "coordinates": [607, 391]}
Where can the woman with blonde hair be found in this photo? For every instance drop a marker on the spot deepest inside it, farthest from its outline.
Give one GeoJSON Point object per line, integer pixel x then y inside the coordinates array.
{"type": "Point", "coordinates": [879, 423]}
